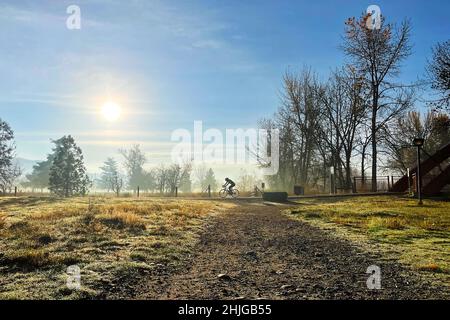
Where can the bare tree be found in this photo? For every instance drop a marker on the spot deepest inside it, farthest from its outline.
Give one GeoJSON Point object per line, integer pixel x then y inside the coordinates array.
{"type": "Point", "coordinates": [298, 117]}
{"type": "Point", "coordinates": [433, 127]}
{"type": "Point", "coordinates": [173, 176]}
{"type": "Point", "coordinates": [134, 164]}
{"type": "Point", "coordinates": [378, 53]}
{"type": "Point", "coordinates": [8, 172]}
{"type": "Point", "coordinates": [200, 171]}
{"type": "Point", "coordinates": [363, 142]}
{"type": "Point", "coordinates": [161, 174]}
{"type": "Point", "coordinates": [438, 70]}
{"type": "Point", "coordinates": [247, 181]}
{"type": "Point", "coordinates": [344, 105]}
{"type": "Point", "coordinates": [9, 177]}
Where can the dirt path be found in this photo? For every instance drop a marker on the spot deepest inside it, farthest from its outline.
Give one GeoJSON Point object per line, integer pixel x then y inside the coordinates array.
{"type": "Point", "coordinates": [264, 254]}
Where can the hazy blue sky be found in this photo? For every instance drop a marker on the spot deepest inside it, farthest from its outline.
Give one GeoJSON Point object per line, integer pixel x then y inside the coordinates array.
{"type": "Point", "coordinates": [168, 63]}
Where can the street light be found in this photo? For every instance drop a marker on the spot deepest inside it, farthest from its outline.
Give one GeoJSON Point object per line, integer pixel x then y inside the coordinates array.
{"type": "Point", "coordinates": [418, 142]}
{"type": "Point", "coordinates": [332, 180]}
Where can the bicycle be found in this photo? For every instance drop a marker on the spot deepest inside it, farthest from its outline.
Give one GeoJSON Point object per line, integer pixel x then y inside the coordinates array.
{"type": "Point", "coordinates": [224, 192]}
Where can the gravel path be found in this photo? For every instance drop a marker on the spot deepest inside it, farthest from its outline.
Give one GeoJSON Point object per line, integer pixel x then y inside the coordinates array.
{"type": "Point", "coordinates": [261, 253]}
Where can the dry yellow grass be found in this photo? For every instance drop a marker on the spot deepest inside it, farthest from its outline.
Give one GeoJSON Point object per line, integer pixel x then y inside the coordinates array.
{"type": "Point", "coordinates": [429, 267]}
{"type": "Point", "coordinates": [418, 236]}
{"type": "Point", "coordinates": [388, 223]}
{"type": "Point", "coordinates": [106, 237]}
{"type": "Point", "coordinates": [2, 221]}
{"type": "Point", "coordinates": [121, 219]}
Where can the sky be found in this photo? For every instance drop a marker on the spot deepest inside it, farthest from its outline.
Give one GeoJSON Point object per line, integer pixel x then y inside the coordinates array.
{"type": "Point", "coordinates": [169, 63]}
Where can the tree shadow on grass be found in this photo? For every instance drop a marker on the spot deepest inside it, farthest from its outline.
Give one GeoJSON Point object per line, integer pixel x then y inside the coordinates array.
{"type": "Point", "coordinates": [28, 201]}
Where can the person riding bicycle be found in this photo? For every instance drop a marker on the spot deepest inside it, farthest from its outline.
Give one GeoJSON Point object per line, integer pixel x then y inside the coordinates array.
{"type": "Point", "coordinates": [230, 183]}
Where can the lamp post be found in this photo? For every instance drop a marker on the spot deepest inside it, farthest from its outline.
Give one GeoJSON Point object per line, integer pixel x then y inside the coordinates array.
{"type": "Point", "coordinates": [418, 142]}
{"type": "Point", "coordinates": [332, 181]}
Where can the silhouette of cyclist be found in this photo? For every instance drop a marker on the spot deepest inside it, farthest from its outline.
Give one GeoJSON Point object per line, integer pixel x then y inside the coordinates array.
{"type": "Point", "coordinates": [230, 183]}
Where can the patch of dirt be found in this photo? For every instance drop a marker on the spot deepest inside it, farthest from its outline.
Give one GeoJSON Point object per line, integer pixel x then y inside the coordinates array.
{"type": "Point", "coordinates": [254, 251]}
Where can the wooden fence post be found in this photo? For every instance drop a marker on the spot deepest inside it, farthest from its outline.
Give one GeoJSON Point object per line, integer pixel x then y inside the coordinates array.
{"type": "Point", "coordinates": [138, 191]}
{"type": "Point", "coordinates": [176, 192]}
{"type": "Point", "coordinates": [354, 185]}
{"type": "Point", "coordinates": [209, 190]}
{"type": "Point", "coordinates": [15, 191]}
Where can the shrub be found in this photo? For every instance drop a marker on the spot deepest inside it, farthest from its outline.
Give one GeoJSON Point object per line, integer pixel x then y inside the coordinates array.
{"type": "Point", "coordinates": [44, 239]}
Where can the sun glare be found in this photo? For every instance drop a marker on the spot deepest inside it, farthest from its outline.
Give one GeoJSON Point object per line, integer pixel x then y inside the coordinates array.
{"type": "Point", "coordinates": [111, 111]}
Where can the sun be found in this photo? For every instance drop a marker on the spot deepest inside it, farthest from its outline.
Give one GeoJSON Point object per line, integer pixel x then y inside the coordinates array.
{"type": "Point", "coordinates": [111, 111]}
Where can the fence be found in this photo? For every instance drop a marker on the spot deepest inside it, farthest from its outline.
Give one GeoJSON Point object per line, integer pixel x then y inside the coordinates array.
{"type": "Point", "coordinates": [364, 184]}
{"type": "Point", "coordinates": [11, 192]}
{"type": "Point", "coordinates": [207, 191]}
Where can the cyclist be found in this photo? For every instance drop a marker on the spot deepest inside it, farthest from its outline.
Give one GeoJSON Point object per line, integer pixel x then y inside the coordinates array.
{"type": "Point", "coordinates": [230, 183]}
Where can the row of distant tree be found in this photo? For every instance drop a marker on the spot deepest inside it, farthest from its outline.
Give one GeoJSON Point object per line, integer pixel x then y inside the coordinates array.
{"type": "Point", "coordinates": [161, 179]}
{"type": "Point", "coordinates": [67, 160]}
{"type": "Point", "coordinates": [361, 120]}
{"type": "Point", "coordinates": [63, 172]}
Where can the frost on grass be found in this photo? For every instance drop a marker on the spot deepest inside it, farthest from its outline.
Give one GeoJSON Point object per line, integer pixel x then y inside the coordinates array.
{"type": "Point", "coordinates": [418, 235]}
{"type": "Point", "coordinates": [112, 241]}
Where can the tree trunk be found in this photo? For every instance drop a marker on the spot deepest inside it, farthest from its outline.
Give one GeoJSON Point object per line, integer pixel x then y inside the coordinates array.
{"type": "Point", "coordinates": [363, 165]}
{"type": "Point", "coordinates": [374, 163]}
{"type": "Point", "coordinates": [348, 172]}
{"type": "Point", "coordinates": [374, 140]}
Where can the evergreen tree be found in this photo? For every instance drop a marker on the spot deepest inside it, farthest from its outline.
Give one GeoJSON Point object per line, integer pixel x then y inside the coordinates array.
{"type": "Point", "coordinates": [68, 174]}
{"type": "Point", "coordinates": [185, 179]}
{"type": "Point", "coordinates": [110, 178]}
{"type": "Point", "coordinates": [210, 179]}
{"type": "Point", "coordinates": [39, 178]}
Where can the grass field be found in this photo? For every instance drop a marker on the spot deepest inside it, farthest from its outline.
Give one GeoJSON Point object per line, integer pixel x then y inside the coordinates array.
{"type": "Point", "coordinates": [109, 239]}
{"type": "Point", "coordinates": [117, 242]}
{"type": "Point", "coordinates": [418, 236]}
